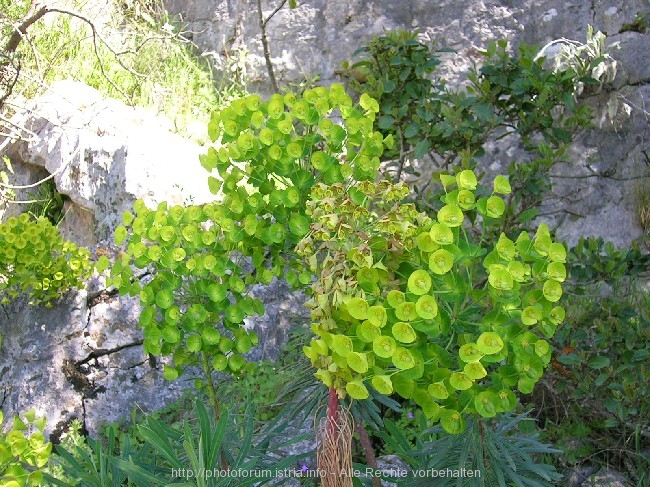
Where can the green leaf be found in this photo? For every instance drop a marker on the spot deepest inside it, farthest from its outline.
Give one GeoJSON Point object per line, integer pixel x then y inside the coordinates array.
{"type": "Point", "coordinates": [489, 343]}
{"type": "Point", "coordinates": [438, 390]}
{"type": "Point", "coordinates": [426, 307]}
{"type": "Point", "coordinates": [170, 373]}
{"type": "Point", "coordinates": [502, 185]}
{"type": "Point", "coordinates": [598, 362]}
{"type": "Point", "coordinates": [500, 278]}
{"type": "Point", "coordinates": [447, 180]}
{"type": "Point", "coordinates": [441, 234]}
{"type": "Point", "coordinates": [495, 207]}
{"type": "Point", "coordinates": [382, 384]}
{"type": "Point", "coordinates": [357, 390]}
{"type": "Point", "coordinates": [403, 386]}
{"type": "Point", "coordinates": [367, 332]}
{"type": "Point", "coordinates": [419, 282]}
{"type": "Point", "coordinates": [395, 298]}
{"type": "Point", "coordinates": [552, 290]}
{"type": "Point", "coordinates": [368, 103]}
{"type": "Point", "coordinates": [358, 308]}
{"type": "Point", "coordinates": [403, 359]}
{"type": "Point", "coordinates": [403, 332]}
{"type": "Point", "coordinates": [460, 381]}
{"type": "Point", "coordinates": [357, 362]}
{"type": "Point", "coordinates": [384, 346]}
{"type": "Point", "coordinates": [452, 422]}
{"type": "Point", "coordinates": [441, 261]}
{"type": "Point", "coordinates": [466, 180]}
{"type": "Point", "coordinates": [377, 316]}
{"type": "Point", "coordinates": [474, 371]}
{"type": "Point", "coordinates": [422, 148]}
{"type": "Point", "coordinates": [214, 185]}
{"type": "Point", "coordinates": [569, 359]}
{"type": "Point", "coordinates": [164, 298]}
{"type": "Point", "coordinates": [120, 235]}
{"type": "Point", "coordinates": [298, 224]}
{"type": "Point", "coordinates": [486, 404]}
{"type": "Point", "coordinates": [406, 311]}
{"type": "Point", "coordinates": [102, 264]}
{"type": "Point", "coordinates": [385, 122]}
{"type": "Point", "coordinates": [342, 345]}
{"type": "Point", "coordinates": [451, 215]}
{"type": "Point", "coordinates": [194, 343]}
{"type": "Point", "coordinates": [527, 215]}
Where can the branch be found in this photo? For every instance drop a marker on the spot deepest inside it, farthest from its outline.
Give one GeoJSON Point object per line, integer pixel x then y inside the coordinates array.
{"type": "Point", "coordinates": [275, 11]}
{"type": "Point", "coordinates": [33, 15]}
{"type": "Point", "coordinates": [33, 185]}
{"type": "Point", "coordinates": [265, 41]}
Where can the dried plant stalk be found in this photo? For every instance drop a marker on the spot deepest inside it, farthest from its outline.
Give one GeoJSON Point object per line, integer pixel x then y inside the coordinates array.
{"type": "Point", "coordinates": [334, 452]}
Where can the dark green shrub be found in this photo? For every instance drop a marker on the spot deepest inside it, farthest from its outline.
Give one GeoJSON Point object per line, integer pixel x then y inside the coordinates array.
{"type": "Point", "coordinates": [594, 401]}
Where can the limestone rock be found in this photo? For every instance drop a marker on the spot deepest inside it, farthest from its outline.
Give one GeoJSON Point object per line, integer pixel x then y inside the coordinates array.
{"type": "Point", "coordinates": [606, 478]}
{"type": "Point", "coordinates": [593, 192]}
{"type": "Point", "coordinates": [81, 359]}
{"type": "Point", "coordinates": [104, 155]}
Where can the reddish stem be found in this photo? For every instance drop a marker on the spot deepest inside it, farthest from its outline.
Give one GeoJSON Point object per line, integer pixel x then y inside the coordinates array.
{"type": "Point", "coordinates": [367, 449]}
{"type": "Point", "coordinates": [332, 412]}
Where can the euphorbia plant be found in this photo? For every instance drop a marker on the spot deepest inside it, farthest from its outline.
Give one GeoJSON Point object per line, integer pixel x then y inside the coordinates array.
{"type": "Point", "coordinates": [409, 304]}
{"type": "Point", "coordinates": [206, 258]}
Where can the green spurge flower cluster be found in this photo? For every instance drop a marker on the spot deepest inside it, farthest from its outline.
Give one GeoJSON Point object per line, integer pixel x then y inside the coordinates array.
{"type": "Point", "coordinates": [23, 451]}
{"type": "Point", "coordinates": [267, 157]}
{"type": "Point", "coordinates": [403, 302]}
{"type": "Point", "coordinates": [408, 304]}
{"type": "Point", "coordinates": [35, 259]}
{"type": "Point", "coordinates": [195, 284]}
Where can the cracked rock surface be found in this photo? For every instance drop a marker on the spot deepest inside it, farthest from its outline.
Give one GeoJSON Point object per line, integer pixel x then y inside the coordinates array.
{"type": "Point", "coordinates": [83, 357]}
{"type": "Point", "coordinates": [80, 359]}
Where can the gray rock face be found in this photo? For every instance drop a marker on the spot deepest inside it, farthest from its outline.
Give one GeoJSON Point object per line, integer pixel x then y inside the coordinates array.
{"type": "Point", "coordinates": [104, 155]}
{"type": "Point", "coordinates": [593, 192]}
{"type": "Point", "coordinates": [83, 357]}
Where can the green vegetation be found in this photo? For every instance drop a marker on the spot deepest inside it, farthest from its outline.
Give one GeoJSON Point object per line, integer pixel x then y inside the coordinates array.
{"type": "Point", "coordinates": [291, 177]}
{"type": "Point", "coordinates": [593, 403]}
{"type": "Point", "coordinates": [24, 451]}
{"type": "Point", "coordinates": [137, 56]}
{"type": "Point", "coordinates": [439, 314]}
{"type": "Point", "coordinates": [34, 259]}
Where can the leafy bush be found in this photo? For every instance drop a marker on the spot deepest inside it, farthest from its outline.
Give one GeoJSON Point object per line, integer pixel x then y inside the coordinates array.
{"type": "Point", "coordinates": [205, 258]}
{"type": "Point", "coordinates": [470, 316]}
{"type": "Point", "coordinates": [35, 259]}
{"type": "Point", "coordinates": [593, 402]}
{"type": "Point", "coordinates": [522, 97]}
{"type": "Point", "coordinates": [23, 451]}
{"type": "Point", "coordinates": [454, 312]}
{"type": "Point", "coordinates": [507, 94]}
{"type": "Point", "coordinates": [411, 305]}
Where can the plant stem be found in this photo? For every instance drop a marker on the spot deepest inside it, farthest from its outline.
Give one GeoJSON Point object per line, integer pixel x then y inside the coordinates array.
{"type": "Point", "coordinates": [265, 42]}
{"type": "Point", "coordinates": [332, 412]}
{"type": "Point", "coordinates": [368, 451]}
{"type": "Point", "coordinates": [212, 391]}
{"type": "Point", "coordinates": [214, 401]}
